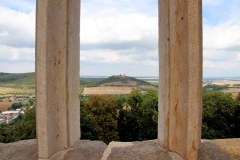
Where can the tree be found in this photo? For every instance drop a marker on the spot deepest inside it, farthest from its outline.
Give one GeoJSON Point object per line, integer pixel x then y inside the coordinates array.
{"type": "Point", "coordinates": [218, 109]}
{"type": "Point", "coordinates": [15, 106]}
{"type": "Point", "coordinates": [103, 110]}
{"type": "Point", "coordinates": [236, 117]}
{"type": "Point", "coordinates": [135, 98]}
{"type": "Point", "coordinates": [88, 130]}
{"type": "Point", "coordinates": [21, 128]}
{"type": "Point", "coordinates": [149, 120]}
{"type": "Point", "coordinates": [138, 117]}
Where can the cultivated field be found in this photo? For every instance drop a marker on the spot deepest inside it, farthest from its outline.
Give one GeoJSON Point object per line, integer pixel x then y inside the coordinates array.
{"type": "Point", "coordinates": [223, 82]}
{"type": "Point", "coordinates": [234, 91]}
{"type": "Point", "coordinates": [107, 90]}
{"type": "Point", "coordinates": [4, 90]}
{"type": "Point", "coordinates": [5, 105]}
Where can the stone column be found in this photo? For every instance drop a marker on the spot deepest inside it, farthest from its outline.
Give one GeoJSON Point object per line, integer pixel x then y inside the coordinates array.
{"type": "Point", "coordinates": [57, 75]}
{"type": "Point", "coordinates": [180, 76]}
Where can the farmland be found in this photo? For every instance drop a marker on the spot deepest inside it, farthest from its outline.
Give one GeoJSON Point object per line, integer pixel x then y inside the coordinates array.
{"type": "Point", "coordinates": [225, 82]}
{"type": "Point", "coordinates": [107, 90]}
{"type": "Point", "coordinates": [8, 90]}
{"type": "Point", "coordinates": [24, 84]}
{"type": "Point", "coordinates": [226, 85]}
{"type": "Point", "coordinates": [117, 84]}
{"type": "Point", "coordinates": [234, 91]}
{"type": "Point", "coordinates": [5, 105]}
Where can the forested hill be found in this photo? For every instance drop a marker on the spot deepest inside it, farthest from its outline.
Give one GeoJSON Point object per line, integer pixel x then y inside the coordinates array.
{"type": "Point", "coordinates": [17, 78]}
{"type": "Point", "coordinates": [119, 80]}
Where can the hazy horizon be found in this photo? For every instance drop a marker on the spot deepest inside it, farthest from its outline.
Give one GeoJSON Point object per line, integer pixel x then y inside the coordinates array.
{"type": "Point", "coordinates": [136, 76]}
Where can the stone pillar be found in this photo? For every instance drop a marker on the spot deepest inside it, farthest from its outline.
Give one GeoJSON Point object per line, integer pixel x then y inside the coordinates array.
{"type": "Point", "coordinates": [57, 75]}
{"type": "Point", "coordinates": [180, 76]}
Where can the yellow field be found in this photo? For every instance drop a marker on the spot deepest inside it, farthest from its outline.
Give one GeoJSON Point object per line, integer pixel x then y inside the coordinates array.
{"type": "Point", "coordinates": [223, 82]}
{"type": "Point", "coordinates": [5, 105]}
{"type": "Point", "coordinates": [234, 91]}
{"type": "Point", "coordinates": [107, 90]}
{"type": "Point", "coordinates": [4, 90]}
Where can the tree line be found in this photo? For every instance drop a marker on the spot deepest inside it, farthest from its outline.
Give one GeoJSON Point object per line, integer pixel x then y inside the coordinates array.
{"type": "Point", "coordinates": [134, 117]}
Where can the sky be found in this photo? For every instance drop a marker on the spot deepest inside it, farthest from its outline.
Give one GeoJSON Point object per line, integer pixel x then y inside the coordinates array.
{"type": "Point", "coordinates": [120, 37]}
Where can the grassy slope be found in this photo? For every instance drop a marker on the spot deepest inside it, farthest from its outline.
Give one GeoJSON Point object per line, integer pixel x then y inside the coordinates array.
{"type": "Point", "coordinates": [124, 80]}
{"type": "Point", "coordinates": [90, 82]}
{"type": "Point", "coordinates": [17, 80]}
{"type": "Point", "coordinates": [96, 82]}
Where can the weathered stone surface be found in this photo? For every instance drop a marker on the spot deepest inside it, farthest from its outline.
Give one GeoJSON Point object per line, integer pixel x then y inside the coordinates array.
{"type": "Point", "coordinates": [146, 150]}
{"type": "Point", "coordinates": [222, 149]}
{"type": "Point", "coordinates": [86, 150]}
{"type": "Point", "coordinates": [226, 149]}
{"type": "Point", "coordinates": [21, 150]}
{"type": "Point", "coordinates": [180, 80]}
{"type": "Point", "coordinates": [57, 75]}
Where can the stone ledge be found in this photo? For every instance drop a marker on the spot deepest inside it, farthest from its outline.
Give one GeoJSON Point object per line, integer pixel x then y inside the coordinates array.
{"type": "Point", "coordinates": [222, 149]}
{"type": "Point", "coordinates": [21, 150]}
{"type": "Point", "coordinates": [146, 150]}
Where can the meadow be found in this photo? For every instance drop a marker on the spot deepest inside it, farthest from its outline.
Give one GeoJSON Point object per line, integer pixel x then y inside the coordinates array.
{"type": "Point", "coordinates": [224, 82]}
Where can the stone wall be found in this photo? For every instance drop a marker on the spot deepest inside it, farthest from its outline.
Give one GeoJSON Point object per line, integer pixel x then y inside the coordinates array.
{"type": "Point", "coordinates": [227, 149]}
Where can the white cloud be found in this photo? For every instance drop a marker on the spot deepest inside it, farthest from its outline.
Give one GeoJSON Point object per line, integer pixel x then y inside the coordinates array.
{"type": "Point", "coordinates": [17, 28]}
{"type": "Point", "coordinates": [120, 56]}
{"type": "Point", "coordinates": [118, 41]}
{"type": "Point", "coordinates": [221, 52]}
{"type": "Point", "coordinates": [19, 67]}
{"type": "Point", "coordinates": [146, 7]}
{"type": "Point", "coordinates": [221, 36]}
{"type": "Point", "coordinates": [101, 56]}
{"type": "Point", "coordinates": [14, 54]}
{"type": "Point", "coordinates": [220, 65]}
{"type": "Point", "coordinates": [117, 28]}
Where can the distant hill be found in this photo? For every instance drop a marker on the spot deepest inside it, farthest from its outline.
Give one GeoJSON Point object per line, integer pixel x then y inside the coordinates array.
{"type": "Point", "coordinates": [17, 80]}
{"type": "Point", "coordinates": [90, 82]}
{"type": "Point", "coordinates": [17, 77]}
{"type": "Point", "coordinates": [27, 80]}
{"type": "Point", "coordinates": [118, 84]}
{"type": "Point", "coordinates": [120, 81]}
